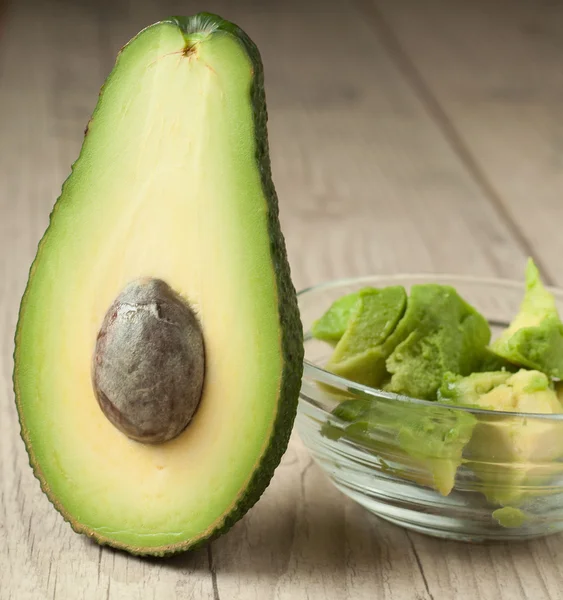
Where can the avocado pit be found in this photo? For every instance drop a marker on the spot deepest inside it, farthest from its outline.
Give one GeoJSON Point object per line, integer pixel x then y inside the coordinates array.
{"type": "Point", "coordinates": [149, 362]}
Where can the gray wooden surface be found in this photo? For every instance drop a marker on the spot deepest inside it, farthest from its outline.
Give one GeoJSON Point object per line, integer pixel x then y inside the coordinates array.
{"type": "Point", "coordinates": [405, 136]}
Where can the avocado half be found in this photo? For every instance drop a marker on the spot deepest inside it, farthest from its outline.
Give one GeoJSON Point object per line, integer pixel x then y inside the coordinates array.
{"type": "Point", "coordinates": [166, 230]}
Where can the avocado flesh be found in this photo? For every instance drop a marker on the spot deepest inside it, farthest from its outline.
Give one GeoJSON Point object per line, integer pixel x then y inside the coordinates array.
{"type": "Point", "coordinates": [360, 353]}
{"type": "Point", "coordinates": [403, 345]}
{"type": "Point", "coordinates": [173, 182]}
{"type": "Point", "coordinates": [440, 332]}
{"type": "Point", "coordinates": [469, 390]}
{"type": "Point", "coordinates": [332, 325]}
{"type": "Point", "coordinates": [421, 443]}
{"type": "Point", "coordinates": [534, 339]}
{"type": "Point", "coordinates": [509, 517]}
{"type": "Point", "coordinates": [510, 455]}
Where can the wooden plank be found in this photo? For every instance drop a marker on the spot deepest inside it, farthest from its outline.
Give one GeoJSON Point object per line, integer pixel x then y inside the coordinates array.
{"type": "Point", "coordinates": [523, 571]}
{"type": "Point", "coordinates": [304, 539]}
{"type": "Point", "coordinates": [363, 175]}
{"type": "Point", "coordinates": [367, 183]}
{"type": "Point", "coordinates": [489, 75]}
{"type": "Point", "coordinates": [494, 71]}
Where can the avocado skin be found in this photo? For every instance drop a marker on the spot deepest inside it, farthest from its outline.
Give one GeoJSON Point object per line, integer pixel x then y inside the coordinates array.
{"type": "Point", "coordinates": [290, 321]}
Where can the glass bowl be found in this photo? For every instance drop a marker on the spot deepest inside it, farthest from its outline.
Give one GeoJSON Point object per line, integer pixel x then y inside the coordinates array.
{"type": "Point", "coordinates": [446, 471]}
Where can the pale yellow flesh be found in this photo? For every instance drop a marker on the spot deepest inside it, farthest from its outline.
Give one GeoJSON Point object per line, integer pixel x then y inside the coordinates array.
{"type": "Point", "coordinates": [524, 450]}
{"type": "Point", "coordinates": [167, 186]}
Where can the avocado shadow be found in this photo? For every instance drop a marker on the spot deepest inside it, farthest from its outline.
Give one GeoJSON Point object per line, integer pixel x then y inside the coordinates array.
{"type": "Point", "coordinates": [302, 524]}
{"type": "Point", "coordinates": [194, 561]}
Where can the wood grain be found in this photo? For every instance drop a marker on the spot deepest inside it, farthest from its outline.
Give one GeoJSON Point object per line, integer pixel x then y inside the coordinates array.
{"type": "Point", "coordinates": [369, 181]}
{"type": "Point", "coordinates": [490, 72]}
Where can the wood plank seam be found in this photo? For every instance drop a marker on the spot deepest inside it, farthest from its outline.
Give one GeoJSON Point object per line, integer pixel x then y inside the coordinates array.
{"type": "Point", "coordinates": [213, 572]}
{"type": "Point", "coordinates": [419, 564]}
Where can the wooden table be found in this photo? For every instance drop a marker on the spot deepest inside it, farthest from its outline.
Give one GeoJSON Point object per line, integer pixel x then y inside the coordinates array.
{"type": "Point", "coordinates": [405, 136]}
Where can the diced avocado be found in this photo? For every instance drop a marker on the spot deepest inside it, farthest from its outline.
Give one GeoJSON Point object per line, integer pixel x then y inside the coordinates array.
{"type": "Point", "coordinates": [534, 339]}
{"type": "Point", "coordinates": [468, 390]}
{"type": "Point", "coordinates": [510, 454]}
{"type": "Point", "coordinates": [350, 410]}
{"type": "Point", "coordinates": [360, 354]}
{"type": "Point", "coordinates": [420, 443]}
{"type": "Point", "coordinates": [367, 368]}
{"type": "Point", "coordinates": [332, 325]}
{"type": "Point", "coordinates": [524, 391]}
{"type": "Point", "coordinates": [163, 261]}
{"type": "Point", "coordinates": [510, 517]}
{"type": "Point", "coordinates": [440, 332]}
{"type": "Point", "coordinates": [436, 438]}
{"type": "Point", "coordinates": [405, 345]}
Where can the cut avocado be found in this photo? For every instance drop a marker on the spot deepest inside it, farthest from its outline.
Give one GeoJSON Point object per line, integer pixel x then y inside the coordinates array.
{"type": "Point", "coordinates": [360, 354]}
{"type": "Point", "coordinates": [510, 517]}
{"type": "Point", "coordinates": [421, 443]}
{"type": "Point", "coordinates": [510, 455]}
{"type": "Point", "coordinates": [404, 346]}
{"type": "Point", "coordinates": [468, 391]}
{"type": "Point", "coordinates": [440, 332]}
{"type": "Point", "coordinates": [332, 325]}
{"type": "Point", "coordinates": [168, 220]}
{"type": "Point", "coordinates": [534, 339]}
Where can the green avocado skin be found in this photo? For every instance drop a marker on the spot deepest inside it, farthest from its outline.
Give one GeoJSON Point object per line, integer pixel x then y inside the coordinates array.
{"type": "Point", "coordinates": [292, 332]}
{"type": "Point", "coordinates": [292, 329]}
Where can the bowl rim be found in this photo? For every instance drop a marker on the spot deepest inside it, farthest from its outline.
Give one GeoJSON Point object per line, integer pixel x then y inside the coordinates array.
{"type": "Point", "coordinates": [318, 373]}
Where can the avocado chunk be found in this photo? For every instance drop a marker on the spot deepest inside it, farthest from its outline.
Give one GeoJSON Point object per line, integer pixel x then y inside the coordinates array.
{"type": "Point", "coordinates": [469, 390]}
{"type": "Point", "coordinates": [420, 443]}
{"type": "Point", "coordinates": [510, 454]}
{"type": "Point", "coordinates": [440, 332]}
{"type": "Point", "coordinates": [534, 339]}
{"type": "Point", "coordinates": [404, 346]}
{"type": "Point", "coordinates": [332, 325]}
{"type": "Point", "coordinates": [510, 517]}
{"type": "Point", "coordinates": [360, 353]}
{"type": "Point", "coordinates": [162, 286]}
